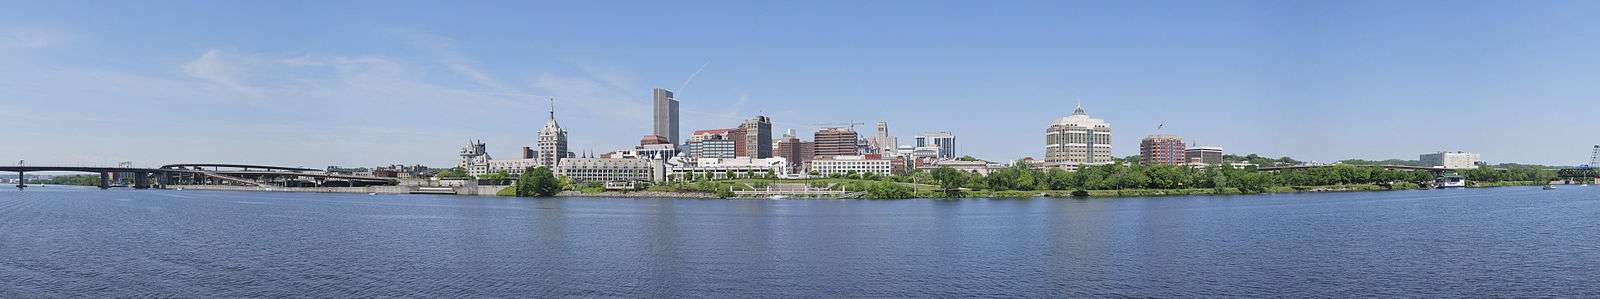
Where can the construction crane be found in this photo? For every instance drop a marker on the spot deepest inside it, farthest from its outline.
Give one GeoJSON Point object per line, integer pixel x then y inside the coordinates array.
{"type": "Point", "coordinates": [1594, 158]}
{"type": "Point", "coordinates": [852, 124]}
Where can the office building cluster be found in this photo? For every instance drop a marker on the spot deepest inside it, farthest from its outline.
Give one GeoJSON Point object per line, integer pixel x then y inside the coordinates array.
{"type": "Point", "coordinates": [1079, 140]}
{"type": "Point", "coordinates": [748, 149]}
{"type": "Point", "coordinates": [751, 149]}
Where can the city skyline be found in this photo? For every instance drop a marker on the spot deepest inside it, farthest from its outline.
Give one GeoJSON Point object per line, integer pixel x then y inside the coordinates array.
{"type": "Point", "coordinates": [374, 89]}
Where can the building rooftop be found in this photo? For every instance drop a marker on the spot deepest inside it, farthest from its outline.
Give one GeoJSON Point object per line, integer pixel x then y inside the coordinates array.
{"type": "Point", "coordinates": [1163, 137]}
{"type": "Point", "coordinates": [713, 131]}
{"type": "Point", "coordinates": [1081, 119]}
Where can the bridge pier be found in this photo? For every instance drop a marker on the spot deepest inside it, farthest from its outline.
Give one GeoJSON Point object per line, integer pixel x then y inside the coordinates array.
{"type": "Point", "coordinates": [141, 180]}
{"type": "Point", "coordinates": [22, 181]}
{"type": "Point", "coordinates": [105, 180]}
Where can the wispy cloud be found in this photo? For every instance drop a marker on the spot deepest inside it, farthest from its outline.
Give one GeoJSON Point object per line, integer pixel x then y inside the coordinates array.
{"type": "Point", "coordinates": [33, 38]}
{"type": "Point", "coordinates": [595, 96]}
{"type": "Point", "coordinates": [210, 67]}
{"type": "Point", "coordinates": [448, 54]}
{"type": "Point", "coordinates": [312, 101]}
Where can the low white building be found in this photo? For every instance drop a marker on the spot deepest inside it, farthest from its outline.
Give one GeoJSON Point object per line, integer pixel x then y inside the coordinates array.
{"type": "Point", "coordinates": [683, 168]}
{"type": "Point", "coordinates": [514, 167]}
{"type": "Point", "coordinates": [827, 166]}
{"type": "Point", "coordinates": [978, 167]}
{"type": "Point", "coordinates": [605, 170]}
{"type": "Point", "coordinates": [648, 152]}
{"type": "Point", "coordinates": [1450, 160]}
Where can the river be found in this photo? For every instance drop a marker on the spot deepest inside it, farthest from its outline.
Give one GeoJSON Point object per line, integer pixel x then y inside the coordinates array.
{"type": "Point", "coordinates": [1515, 241]}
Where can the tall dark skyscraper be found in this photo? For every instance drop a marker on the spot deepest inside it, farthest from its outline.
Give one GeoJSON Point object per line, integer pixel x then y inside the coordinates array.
{"type": "Point", "coordinates": [757, 138]}
{"type": "Point", "coordinates": [666, 116]}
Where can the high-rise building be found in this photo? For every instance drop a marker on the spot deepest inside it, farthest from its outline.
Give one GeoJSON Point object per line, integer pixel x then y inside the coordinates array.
{"type": "Point", "coordinates": [1450, 160]}
{"type": "Point", "coordinates": [696, 146]}
{"type": "Point", "coordinates": [528, 152]}
{"type": "Point", "coordinates": [1162, 149]}
{"type": "Point", "coordinates": [1077, 140]}
{"type": "Point", "coordinates": [882, 142]}
{"type": "Point", "coordinates": [1209, 155]}
{"type": "Point", "coordinates": [794, 150]}
{"type": "Point", "coordinates": [835, 142]}
{"type": "Point", "coordinates": [552, 141]}
{"type": "Point", "coordinates": [738, 138]}
{"type": "Point", "coordinates": [717, 148]}
{"type": "Point", "coordinates": [666, 115]}
{"type": "Point", "coordinates": [944, 141]}
{"type": "Point", "coordinates": [756, 138]}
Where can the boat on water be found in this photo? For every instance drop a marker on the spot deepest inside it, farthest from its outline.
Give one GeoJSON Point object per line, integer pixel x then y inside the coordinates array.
{"type": "Point", "coordinates": [1549, 187]}
{"type": "Point", "coordinates": [777, 197]}
{"type": "Point", "coordinates": [1450, 181]}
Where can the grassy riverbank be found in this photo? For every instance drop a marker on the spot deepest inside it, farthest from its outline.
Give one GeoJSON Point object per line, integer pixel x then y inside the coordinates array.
{"type": "Point", "coordinates": [1504, 184]}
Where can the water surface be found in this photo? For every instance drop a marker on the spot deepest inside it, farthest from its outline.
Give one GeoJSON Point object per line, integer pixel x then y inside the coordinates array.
{"type": "Point", "coordinates": [63, 241]}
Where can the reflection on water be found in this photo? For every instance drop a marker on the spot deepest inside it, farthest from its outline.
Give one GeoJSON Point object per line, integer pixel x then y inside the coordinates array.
{"type": "Point", "coordinates": [59, 241]}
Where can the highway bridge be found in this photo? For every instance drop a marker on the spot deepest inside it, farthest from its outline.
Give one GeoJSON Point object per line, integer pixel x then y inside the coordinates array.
{"type": "Point", "coordinates": [264, 176]}
{"type": "Point", "coordinates": [1583, 174]}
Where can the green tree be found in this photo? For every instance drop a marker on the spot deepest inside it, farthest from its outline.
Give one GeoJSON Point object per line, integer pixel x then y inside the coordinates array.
{"type": "Point", "coordinates": [456, 172]}
{"type": "Point", "coordinates": [950, 180]}
{"type": "Point", "coordinates": [884, 190]}
{"type": "Point", "coordinates": [538, 181]}
{"type": "Point", "coordinates": [74, 180]}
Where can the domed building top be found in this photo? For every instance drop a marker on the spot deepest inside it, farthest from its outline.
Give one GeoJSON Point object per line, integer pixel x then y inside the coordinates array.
{"type": "Point", "coordinates": [1081, 119]}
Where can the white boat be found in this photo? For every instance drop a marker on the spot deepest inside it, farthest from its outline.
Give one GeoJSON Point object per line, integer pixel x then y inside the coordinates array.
{"type": "Point", "coordinates": [777, 197]}
{"type": "Point", "coordinates": [1450, 181]}
{"type": "Point", "coordinates": [1549, 187]}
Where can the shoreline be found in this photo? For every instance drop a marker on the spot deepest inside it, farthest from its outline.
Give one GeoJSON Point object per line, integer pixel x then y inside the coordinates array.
{"type": "Point", "coordinates": [1054, 194]}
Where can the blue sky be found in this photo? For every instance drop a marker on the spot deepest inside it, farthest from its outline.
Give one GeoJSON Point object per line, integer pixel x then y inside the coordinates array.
{"type": "Point", "coordinates": [318, 83]}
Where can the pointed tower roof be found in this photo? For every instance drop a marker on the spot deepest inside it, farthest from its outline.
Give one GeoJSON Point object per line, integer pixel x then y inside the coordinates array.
{"type": "Point", "coordinates": [551, 123]}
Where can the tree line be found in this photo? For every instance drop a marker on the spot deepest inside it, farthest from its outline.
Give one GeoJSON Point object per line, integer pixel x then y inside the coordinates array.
{"type": "Point", "coordinates": [1022, 177]}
